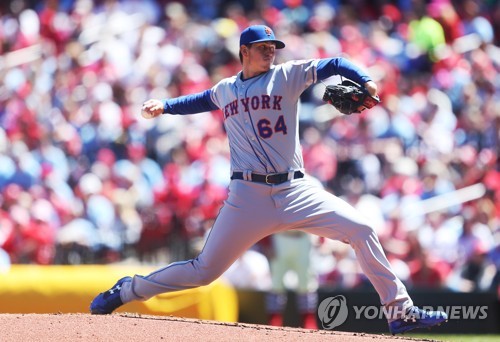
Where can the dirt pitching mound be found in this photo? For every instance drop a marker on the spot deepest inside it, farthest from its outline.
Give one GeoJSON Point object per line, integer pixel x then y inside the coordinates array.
{"type": "Point", "coordinates": [132, 327]}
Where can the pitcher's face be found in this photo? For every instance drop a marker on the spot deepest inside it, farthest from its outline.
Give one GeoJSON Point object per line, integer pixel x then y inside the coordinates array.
{"type": "Point", "coordinates": [261, 56]}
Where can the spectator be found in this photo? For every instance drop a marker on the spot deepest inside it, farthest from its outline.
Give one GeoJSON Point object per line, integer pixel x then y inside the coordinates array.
{"type": "Point", "coordinates": [75, 73]}
{"type": "Point", "coordinates": [427, 273]}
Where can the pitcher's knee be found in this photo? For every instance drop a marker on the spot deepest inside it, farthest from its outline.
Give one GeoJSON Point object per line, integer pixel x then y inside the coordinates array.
{"type": "Point", "coordinates": [204, 274]}
{"type": "Point", "coordinates": [205, 278]}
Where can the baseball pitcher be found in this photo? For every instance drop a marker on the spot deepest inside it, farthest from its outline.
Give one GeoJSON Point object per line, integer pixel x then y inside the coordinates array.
{"type": "Point", "coordinates": [268, 192]}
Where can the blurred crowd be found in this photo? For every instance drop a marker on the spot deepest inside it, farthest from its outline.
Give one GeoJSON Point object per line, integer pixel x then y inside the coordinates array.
{"type": "Point", "coordinates": [83, 179]}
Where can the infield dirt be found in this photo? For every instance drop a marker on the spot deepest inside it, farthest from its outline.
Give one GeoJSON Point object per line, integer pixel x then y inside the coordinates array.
{"type": "Point", "coordinates": [132, 327]}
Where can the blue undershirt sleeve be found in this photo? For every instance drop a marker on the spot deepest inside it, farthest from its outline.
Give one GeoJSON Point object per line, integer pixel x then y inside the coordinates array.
{"type": "Point", "coordinates": [340, 66]}
{"type": "Point", "coordinates": [189, 104]}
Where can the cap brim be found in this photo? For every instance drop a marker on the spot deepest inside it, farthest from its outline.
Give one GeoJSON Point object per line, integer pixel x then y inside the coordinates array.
{"type": "Point", "coordinates": [279, 43]}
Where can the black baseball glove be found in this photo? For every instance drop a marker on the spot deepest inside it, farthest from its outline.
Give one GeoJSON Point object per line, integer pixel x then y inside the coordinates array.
{"type": "Point", "coordinates": [348, 97]}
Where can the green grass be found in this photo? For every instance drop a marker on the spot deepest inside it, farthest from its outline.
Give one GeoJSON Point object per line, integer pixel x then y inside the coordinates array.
{"type": "Point", "coordinates": [457, 338]}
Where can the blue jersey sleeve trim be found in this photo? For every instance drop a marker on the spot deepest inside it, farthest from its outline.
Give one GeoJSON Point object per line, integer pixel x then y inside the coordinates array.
{"type": "Point", "coordinates": [340, 66]}
{"type": "Point", "coordinates": [189, 104]}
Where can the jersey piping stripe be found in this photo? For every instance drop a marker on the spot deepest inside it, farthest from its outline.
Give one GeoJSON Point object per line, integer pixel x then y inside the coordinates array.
{"type": "Point", "coordinates": [168, 266]}
{"type": "Point", "coordinates": [261, 146]}
{"type": "Point", "coordinates": [260, 143]}
{"type": "Point", "coordinates": [211, 230]}
{"type": "Point", "coordinates": [250, 140]}
{"type": "Point", "coordinates": [256, 154]}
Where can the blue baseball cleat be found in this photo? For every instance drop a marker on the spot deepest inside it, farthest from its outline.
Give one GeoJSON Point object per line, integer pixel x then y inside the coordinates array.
{"type": "Point", "coordinates": [417, 318]}
{"type": "Point", "coordinates": [108, 301]}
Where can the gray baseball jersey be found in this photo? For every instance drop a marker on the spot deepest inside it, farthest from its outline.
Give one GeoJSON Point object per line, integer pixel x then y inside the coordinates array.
{"type": "Point", "coordinates": [260, 116]}
{"type": "Point", "coordinates": [261, 120]}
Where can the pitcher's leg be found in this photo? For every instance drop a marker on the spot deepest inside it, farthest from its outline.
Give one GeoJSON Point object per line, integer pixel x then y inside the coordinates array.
{"type": "Point", "coordinates": [236, 229]}
{"type": "Point", "coordinates": [374, 264]}
{"type": "Point", "coordinates": [332, 217]}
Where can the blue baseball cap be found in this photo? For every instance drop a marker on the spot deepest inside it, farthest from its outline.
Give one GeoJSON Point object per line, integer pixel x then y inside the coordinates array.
{"type": "Point", "coordinates": [259, 33]}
